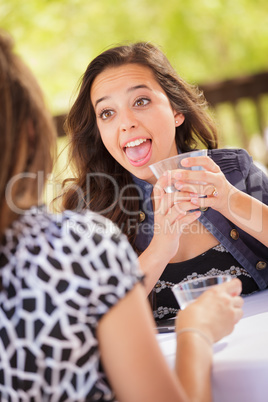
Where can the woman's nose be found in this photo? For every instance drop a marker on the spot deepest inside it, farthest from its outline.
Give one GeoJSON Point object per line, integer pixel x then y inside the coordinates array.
{"type": "Point", "coordinates": [128, 121]}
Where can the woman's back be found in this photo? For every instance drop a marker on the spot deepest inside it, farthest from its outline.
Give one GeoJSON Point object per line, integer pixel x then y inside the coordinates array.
{"type": "Point", "coordinates": [59, 275]}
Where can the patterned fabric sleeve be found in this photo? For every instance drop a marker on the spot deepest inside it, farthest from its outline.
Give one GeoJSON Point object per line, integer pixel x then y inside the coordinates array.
{"type": "Point", "coordinates": [109, 260]}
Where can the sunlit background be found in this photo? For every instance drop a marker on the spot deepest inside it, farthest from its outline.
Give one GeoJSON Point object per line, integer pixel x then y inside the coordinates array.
{"type": "Point", "coordinates": [205, 40]}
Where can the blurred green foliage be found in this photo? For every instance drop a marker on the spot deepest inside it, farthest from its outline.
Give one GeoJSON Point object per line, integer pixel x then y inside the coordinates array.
{"type": "Point", "coordinates": [205, 40]}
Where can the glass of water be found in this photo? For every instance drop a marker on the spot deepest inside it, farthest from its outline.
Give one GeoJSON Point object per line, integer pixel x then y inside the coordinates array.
{"type": "Point", "coordinates": [189, 291]}
{"type": "Point", "coordinates": [174, 162]}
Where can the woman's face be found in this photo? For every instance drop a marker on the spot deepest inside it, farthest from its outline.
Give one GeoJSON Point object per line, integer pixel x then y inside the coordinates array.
{"type": "Point", "coordinates": [135, 119]}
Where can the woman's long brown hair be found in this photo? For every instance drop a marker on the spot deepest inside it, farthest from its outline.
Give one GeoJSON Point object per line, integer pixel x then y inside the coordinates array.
{"type": "Point", "coordinates": [27, 135]}
{"type": "Point", "coordinates": [96, 170]}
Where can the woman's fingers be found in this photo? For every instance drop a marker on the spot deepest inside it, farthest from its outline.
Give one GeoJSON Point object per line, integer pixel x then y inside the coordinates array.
{"type": "Point", "coordinates": [181, 200]}
{"type": "Point", "coordinates": [182, 221]}
{"type": "Point", "coordinates": [216, 311]}
{"type": "Point", "coordinates": [207, 182]}
{"type": "Point", "coordinates": [204, 161]}
{"type": "Point", "coordinates": [182, 210]}
{"type": "Point", "coordinates": [233, 288]}
{"type": "Point", "coordinates": [236, 302]}
{"type": "Point", "coordinates": [172, 209]}
{"type": "Point", "coordinates": [189, 218]}
{"type": "Point", "coordinates": [238, 313]}
{"type": "Point", "coordinates": [158, 194]}
{"type": "Point", "coordinates": [199, 188]}
{"type": "Point", "coordinates": [203, 202]}
{"type": "Point", "coordinates": [164, 202]}
{"type": "Point", "coordinates": [225, 308]}
{"type": "Point", "coordinates": [194, 189]}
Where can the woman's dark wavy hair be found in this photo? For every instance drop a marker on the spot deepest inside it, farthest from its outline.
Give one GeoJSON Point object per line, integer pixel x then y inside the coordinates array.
{"type": "Point", "coordinates": [96, 170]}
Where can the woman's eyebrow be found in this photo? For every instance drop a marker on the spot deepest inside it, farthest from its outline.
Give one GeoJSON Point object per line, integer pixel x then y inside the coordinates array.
{"type": "Point", "coordinates": [138, 87]}
{"type": "Point", "coordinates": [101, 99]}
{"type": "Point", "coordinates": [128, 90]}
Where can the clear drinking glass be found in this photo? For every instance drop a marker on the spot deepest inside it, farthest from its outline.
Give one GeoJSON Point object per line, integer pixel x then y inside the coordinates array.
{"type": "Point", "coordinates": [189, 291]}
{"type": "Point", "coordinates": [174, 162]}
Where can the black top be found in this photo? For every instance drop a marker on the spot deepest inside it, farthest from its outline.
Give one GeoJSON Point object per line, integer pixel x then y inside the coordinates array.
{"type": "Point", "coordinates": [210, 263]}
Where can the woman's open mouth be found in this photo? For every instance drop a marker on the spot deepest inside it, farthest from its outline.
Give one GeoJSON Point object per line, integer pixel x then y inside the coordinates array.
{"type": "Point", "coordinates": [138, 151]}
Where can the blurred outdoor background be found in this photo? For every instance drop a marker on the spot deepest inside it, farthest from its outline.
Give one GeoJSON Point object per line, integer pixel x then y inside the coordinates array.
{"type": "Point", "coordinates": [220, 45]}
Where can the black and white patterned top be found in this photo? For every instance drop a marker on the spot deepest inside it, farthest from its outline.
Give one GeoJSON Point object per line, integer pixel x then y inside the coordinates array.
{"type": "Point", "coordinates": [215, 261]}
{"type": "Point", "coordinates": [59, 275]}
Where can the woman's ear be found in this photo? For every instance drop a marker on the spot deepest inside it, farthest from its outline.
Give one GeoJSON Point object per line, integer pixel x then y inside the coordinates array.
{"type": "Point", "coordinates": [179, 119]}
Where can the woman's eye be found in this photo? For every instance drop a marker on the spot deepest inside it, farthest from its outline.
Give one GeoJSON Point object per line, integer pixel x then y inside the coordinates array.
{"type": "Point", "coordinates": [142, 102]}
{"type": "Point", "coordinates": [105, 114]}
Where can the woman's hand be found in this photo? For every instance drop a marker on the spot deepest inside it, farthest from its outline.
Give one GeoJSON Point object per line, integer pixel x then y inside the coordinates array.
{"type": "Point", "coordinates": [243, 210]}
{"type": "Point", "coordinates": [171, 215]}
{"type": "Point", "coordinates": [206, 320]}
{"type": "Point", "coordinates": [215, 312]}
{"type": "Point", "coordinates": [210, 182]}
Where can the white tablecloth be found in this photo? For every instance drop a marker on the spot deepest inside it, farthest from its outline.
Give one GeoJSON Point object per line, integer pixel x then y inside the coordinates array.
{"type": "Point", "coordinates": [240, 361]}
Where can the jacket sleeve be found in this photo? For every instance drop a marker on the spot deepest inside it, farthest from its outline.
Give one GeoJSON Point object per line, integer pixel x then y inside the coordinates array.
{"type": "Point", "coordinates": [239, 169]}
{"type": "Point", "coordinates": [257, 184]}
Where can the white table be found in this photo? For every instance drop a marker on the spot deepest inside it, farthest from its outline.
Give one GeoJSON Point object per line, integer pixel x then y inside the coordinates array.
{"type": "Point", "coordinates": [240, 361]}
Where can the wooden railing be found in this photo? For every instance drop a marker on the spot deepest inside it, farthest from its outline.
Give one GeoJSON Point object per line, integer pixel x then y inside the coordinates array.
{"type": "Point", "coordinates": [233, 91]}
